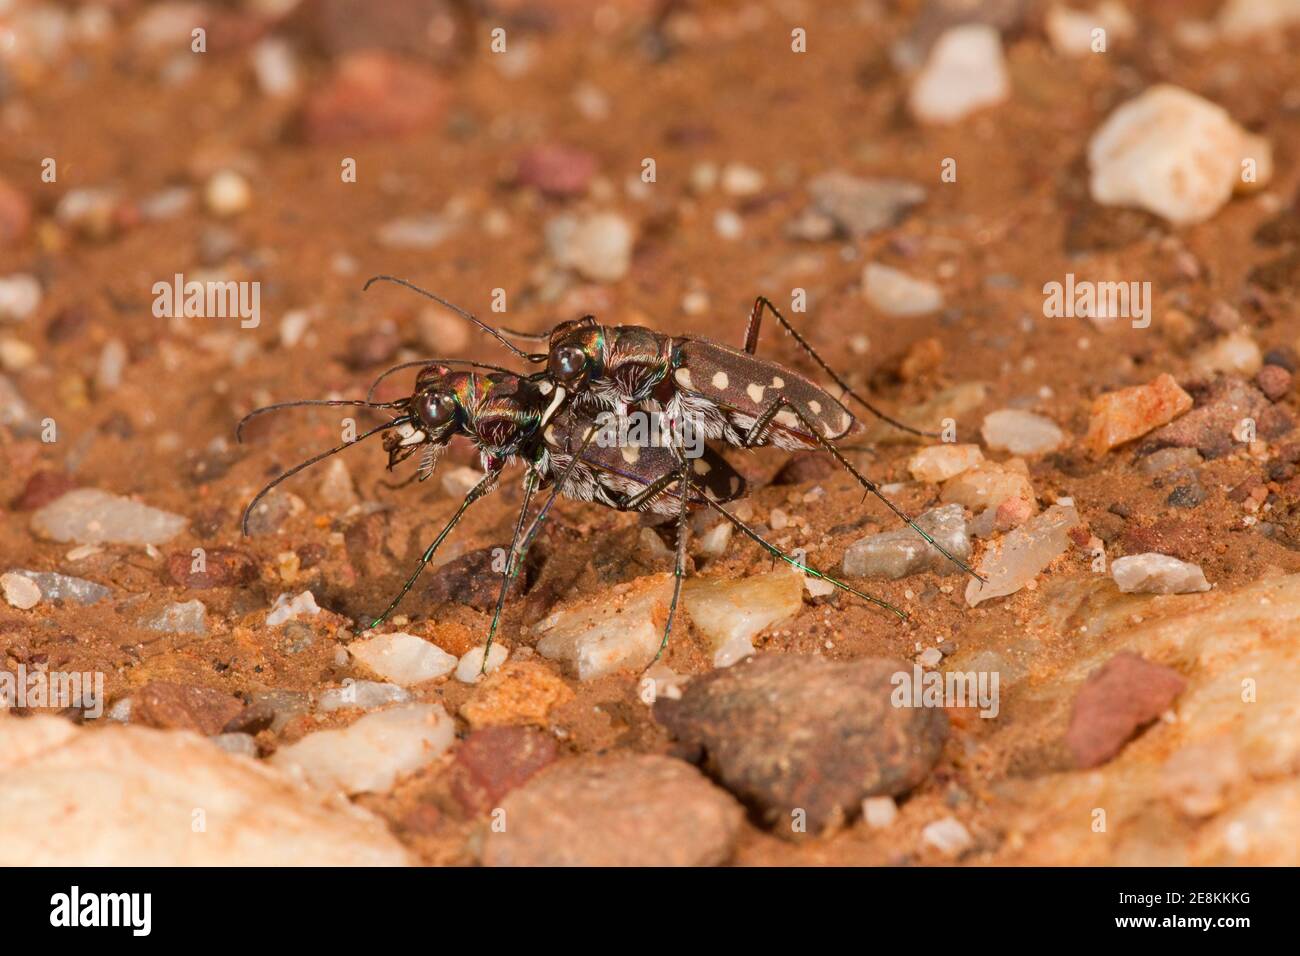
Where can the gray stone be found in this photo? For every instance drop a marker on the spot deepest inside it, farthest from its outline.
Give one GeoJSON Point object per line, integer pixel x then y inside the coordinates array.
{"type": "Point", "coordinates": [896, 554]}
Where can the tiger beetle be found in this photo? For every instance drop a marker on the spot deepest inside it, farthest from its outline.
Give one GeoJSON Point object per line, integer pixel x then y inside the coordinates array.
{"type": "Point", "coordinates": [504, 414]}
{"type": "Point", "coordinates": [732, 394]}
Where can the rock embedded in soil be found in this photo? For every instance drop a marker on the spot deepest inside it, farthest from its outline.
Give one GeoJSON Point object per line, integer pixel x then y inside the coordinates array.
{"type": "Point", "coordinates": [788, 733]}
{"type": "Point", "coordinates": [1238, 19]}
{"type": "Point", "coordinates": [598, 246]}
{"type": "Point", "coordinates": [171, 706]}
{"type": "Point", "coordinates": [1071, 31]}
{"type": "Point", "coordinates": [1174, 154]}
{"type": "Point", "coordinates": [896, 293]}
{"type": "Point", "coordinates": [947, 835]}
{"type": "Point", "coordinates": [902, 552]}
{"type": "Point", "coordinates": [1274, 381]}
{"type": "Point", "coordinates": [286, 608]}
{"type": "Point", "coordinates": [374, 95]}
{"type": "Point", "coordinates": [938, 463]}
{"type": "Point", "coordinates": [272, 512]}
{"type": "Point", "coordinates": [470, 669]}
{"type": "Point", "coordinates": [1121, 416]}
{"type": "Point", "coordinates": [556, 170]}
{"type": "Point", "coordinates": [1214, 426]}
{"type": "Point", "coordinates": [964, 72]}
{"type": "Point", "coordinates": [953, 402]}
{"type": "Point", "coordinates": [469, 579]}
{"type": "Point", "coordinates": [606, 633]}
{"type": "Point", "coordinates": [127, 796]}
{"type": "Point", "coordinates": [1170, 459]}
{"type": "Point", "coordinates": [1020, 432]}
{"type": "Point", "coordinates": [731, 613]}
{"type": "Point", "coordinates": [989, 484]}
{"type": "Point", "coordinates": [15, 214]}
{"type": "Point", "coordinates": [1015, 560]}
{"type": "Point", "coordinates": [1233, 354]}
{"type": "Point", "coordinates": [65, 589]}
{"type": "Point", "coordinates": [635, 810]}
{"type": "Point", "coordinates": [490, 763]}
{"type": "Point", "coordinates": [336, 490]}
{"type": "Point", "coordinates": [16, 413]}
{"type": "Point", "coordinates": [518, 692]}
{"type": "Point", "coordinates": [91, 516]}
{"type": "Point", "coordinates": [20, 295]}
{"type": "Point", "coordinates": [1115, 702]}
{"type": "Point", "coordinates": [188, 617]}
{"type": "Point", "coordinates": [1157, 574]}
{"type": "Point", "coordinates": [370, 755]}
{"type": "Point", "coordinates": [361, 695]}
{"type": "Point", "coordinates": [41, 488]}
{"type": "Point", "coordinates": [20, 591]}
{"type": "Point", "coordinates": [860, 207]}
{"type": "Point", "coordinates": [879, 813]}
{"type": "Point", "coordinates": [219, 568]}
{"type": "Point", "coordinates": [402, 658]}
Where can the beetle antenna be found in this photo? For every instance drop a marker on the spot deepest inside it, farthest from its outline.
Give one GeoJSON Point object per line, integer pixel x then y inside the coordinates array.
{"type": "Point", "coordinates": [239, 429]}
{"type": "Point", "coordinates": [469, 316]}
{"type": "Point", "coordinates": [400, 420]}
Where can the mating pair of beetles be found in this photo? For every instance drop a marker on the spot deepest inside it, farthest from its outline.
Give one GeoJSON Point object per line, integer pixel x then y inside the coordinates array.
{"type": "Point", "coordinates": [550, 421]}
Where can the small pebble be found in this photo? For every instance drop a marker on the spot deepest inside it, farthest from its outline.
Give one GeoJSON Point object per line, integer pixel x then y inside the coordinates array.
{"type": "Point", "coordinates": [1020, 432]}
{"type": "Point", "coordinates": [468, 669]}
{"type": "Point", "coordinates": [597, 246]}
{"type": "Point", "coordinates": [21, 592]}
{"type": "Point", "coordinates": [879, 812]}
{"type": "Point", "coordinates": [1157, 574]}
{"type": "Point", "coordinates": [964, 72]}
{"type": "Point", "coordinates": [949, 836]}
{"type": "Point", "coordinates": [227, 193]}
{"type": "Point", "coordinates": [896, 293]}
{"type": "Point", "coordinates": [403, 658]}
{"type": "Point", "coordinates": [728, 224]}
{"type": "Point", "coordinates": [741, 180]}
{"type": "Point", "coordinates": [1172, 153]}
{"type": "Point", "coordinates": [362, 695]}
{"type": "Point", "coordinates": [1274, 381]}
{"type": "Point", "coordinates": [941, 462]}
{"type": "Point", "coordinates": [20, 294]}
{"type": "Point", "coordinates": [287, 609]}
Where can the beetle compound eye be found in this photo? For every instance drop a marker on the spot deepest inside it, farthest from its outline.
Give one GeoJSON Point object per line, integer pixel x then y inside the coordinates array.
{"type": "Point", "coordinates": [436, 410]}
{"type": "Point", "coordinates": [568, 362]}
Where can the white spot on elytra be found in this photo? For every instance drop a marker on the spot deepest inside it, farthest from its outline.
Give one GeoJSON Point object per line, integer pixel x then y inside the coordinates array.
{"type": "Point", "coordinates": [755, 392]}
{"type": "Point", "coordinates": [720, 380]}
{"type": "Point", "coordinates": [631, 453]}
{"type": "Point", "coordinates": [788, 419]}
{"type": "Point", "coordinates": [702, 467]}
{"type": "Point", "coordinates": [778, 382]}
{"type": "Point", "coordinates": [683, 377]}
{"type": "Point", "coordinates": [816, 407]}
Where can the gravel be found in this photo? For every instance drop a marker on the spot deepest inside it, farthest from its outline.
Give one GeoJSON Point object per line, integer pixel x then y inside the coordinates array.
{"type": "Point", "coordinates": [91, 516]}
{"type": "Point", "coordinates": [370, 755]}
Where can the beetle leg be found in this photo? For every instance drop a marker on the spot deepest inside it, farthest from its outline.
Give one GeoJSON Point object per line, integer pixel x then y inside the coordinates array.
{"type": "Point", "coordinates": [508, 573]}
{"type": "Point", "coordinates": [803, 567]}
{"type": "Point", "coordinates": [751, 345]}
{"type": "Point", "coordinates": [484, 486]}
{"type": "Point", "coordinates": [679, 565]}
{"type": "Point", "coordinates": [870, 486]}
